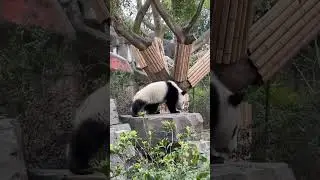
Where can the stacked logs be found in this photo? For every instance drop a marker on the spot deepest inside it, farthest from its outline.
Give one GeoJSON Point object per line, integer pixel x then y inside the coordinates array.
{"type": "Point", "coordinates": [181, 65]}
{"type": "Point", "coordinates": [199, 70]}
{"type": "Point", "coordinates": [281, 33]}
{"type": "Point", "coordinates": [151, 60]}
{"type": "Point", "coordinates": [232, 20]}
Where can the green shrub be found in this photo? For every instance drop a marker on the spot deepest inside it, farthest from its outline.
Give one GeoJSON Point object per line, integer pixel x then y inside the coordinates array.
{"type": "Point", "coordinates": [167, 161]}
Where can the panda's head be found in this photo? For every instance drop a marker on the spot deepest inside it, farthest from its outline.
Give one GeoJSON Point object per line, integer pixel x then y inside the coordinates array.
{"type": "Point", "coordinates": [181, 95]}
{"type": "Point", "coordinates": [225, 114]}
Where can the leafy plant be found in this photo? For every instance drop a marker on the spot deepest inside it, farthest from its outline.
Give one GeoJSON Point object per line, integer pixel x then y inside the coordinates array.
{"type": "Point", "coordinates": [165, 160]}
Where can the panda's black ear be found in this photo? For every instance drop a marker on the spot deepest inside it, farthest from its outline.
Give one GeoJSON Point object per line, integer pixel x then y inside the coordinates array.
{"type": "Point", "coordinates": [236, 98]}
{"type": "Point", "coordinates": [183, 92]}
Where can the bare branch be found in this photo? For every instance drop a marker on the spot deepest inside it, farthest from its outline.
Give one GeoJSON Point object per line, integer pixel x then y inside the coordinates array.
{"type": "Point", "coordinates": [139, 4]}
{"type": "Point", "coordinates": [149, 25]}
{"type": "Point", "coordinates": [194, 18]}
{"type": "Point", "coordinates": [177, 30]}
{"type": "Point", "coordinates": [140, 15]}
{"type": "Point", "coordinates": [157, 21]}
{"type": "Point", "coordinates": [201, 41]}
{"type": "Point", "coordinates": [133, 38]}
{"type": "Point", "coordinates": [76, 20]}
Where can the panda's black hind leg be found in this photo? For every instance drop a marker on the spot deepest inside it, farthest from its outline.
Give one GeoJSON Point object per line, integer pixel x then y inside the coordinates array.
{"type": "Point", "coordinates": [152, 108]}
{"type": "Point", "coordinates": [86, 141]}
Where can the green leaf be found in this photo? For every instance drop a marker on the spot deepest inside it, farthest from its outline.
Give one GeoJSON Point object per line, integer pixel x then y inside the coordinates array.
{"type": "Point", "coordinates": [206, 4]}
{"type": "Point", "coordinates": [202, 175]}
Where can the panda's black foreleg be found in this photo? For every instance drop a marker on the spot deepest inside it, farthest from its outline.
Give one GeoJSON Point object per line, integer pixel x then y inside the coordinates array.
{"type": "Point", "coordinates": [152, 109]}
{"type": "Point", "coordinates": [172, 107]}
{"type": "Point", "coordinates": [137, 106]}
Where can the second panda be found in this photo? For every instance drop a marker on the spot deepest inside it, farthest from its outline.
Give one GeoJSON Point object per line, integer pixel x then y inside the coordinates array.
{"type": "Point", "coordinates": [152, 95]}
{"type": "Point", "coordinates": [225, 114]}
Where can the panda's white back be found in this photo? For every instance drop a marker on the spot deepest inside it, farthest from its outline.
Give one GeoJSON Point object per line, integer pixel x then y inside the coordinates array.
{"type": "Point", "coordinates": [229, 118]}
{"type": "Point", "coordinates": [152, 93]}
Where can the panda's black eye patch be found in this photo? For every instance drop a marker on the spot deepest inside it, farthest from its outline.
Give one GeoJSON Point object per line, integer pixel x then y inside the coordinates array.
{"type": "Point", "coordinates": [235, 99]}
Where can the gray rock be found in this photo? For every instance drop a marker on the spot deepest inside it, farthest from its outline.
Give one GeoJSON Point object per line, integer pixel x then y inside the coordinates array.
{"type": "Point", "coordinates": [114, 117]}
{"type": "Point", "coordinates": [252, 171]}
{"type": "Point", "coordinates": [154, 123]}
{"type": "Point", "coordinates": [115, 131]}
{"type": "Point", "coordinates": [62, 174]}
{"type": "Point", "coordinates": [203, 146]}
{"type": "Point", "coordinates": [11, 160]}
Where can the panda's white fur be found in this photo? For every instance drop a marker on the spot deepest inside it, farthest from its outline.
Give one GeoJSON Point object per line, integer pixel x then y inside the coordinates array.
{"type": "Point", "coordinates": [225, 115]}
{"type": "Point", "coordinates": [149, 97]}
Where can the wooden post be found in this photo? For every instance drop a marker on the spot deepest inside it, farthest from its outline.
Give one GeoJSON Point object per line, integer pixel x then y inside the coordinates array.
{"type": "Point", "coordinates": [181, 64]}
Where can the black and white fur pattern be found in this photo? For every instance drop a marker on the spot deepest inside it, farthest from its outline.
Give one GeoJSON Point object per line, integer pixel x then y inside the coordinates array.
{"type": "Point", "coordinates": [91, 131]}
{"type": "Point", "coordinates": [225, 115]}
{"type": "Point", "coordinates": [88, 136]}
{"type": "Point", "coordinates": [151, 96]}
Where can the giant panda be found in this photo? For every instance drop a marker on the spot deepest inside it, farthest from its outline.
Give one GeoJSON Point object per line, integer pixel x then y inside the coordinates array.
{"type": "Point", "coordinates": [91, 131]}
{"type": "Point", "coordinates": [225, 115]}
{"type": "Point", "coordinates": [149, 98]}
{"type": "Point", "coordinates": [87, 138]}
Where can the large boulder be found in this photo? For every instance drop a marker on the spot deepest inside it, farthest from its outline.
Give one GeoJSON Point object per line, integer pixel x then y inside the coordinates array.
{"type": "Point", "coordinates": [154, 123]}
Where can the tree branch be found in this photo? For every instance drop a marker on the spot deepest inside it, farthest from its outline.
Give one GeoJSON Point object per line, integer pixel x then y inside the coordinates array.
{"type": "Point", "coordinates": [139, 4]}
{"type": "Point", "coordinates": [149, 25]}
{"type": "Point", "coordinates": [140, 15]}
{"type": "Point", "coordinates": [157, 21]}
{"type": "Point", "coordinates": [145, 22]}
{"type": "Point", "coordinates": [75, 17]}
{"type": "Point", "coordinates": [201, 41]}
{"type": "Point", "coordinates": [194, 18]}
{"type": "Point", "coordinates": [177, 30]}
{"type": "Point", "coordinates": [133, 38]}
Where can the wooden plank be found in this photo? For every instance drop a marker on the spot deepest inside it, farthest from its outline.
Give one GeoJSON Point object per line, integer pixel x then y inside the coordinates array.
{"type": "Point", "coordinates": [270, 16]}
{"type": "Point", "coordinates": [308, 33]}
{"type": "Point", "coordinates": [236, 36]}
{"type": "Point", "coordinates": [272, 27]}
{"type": "Point", "coordinates": [230, 32]}
{"type": "Point", "coordinates": [292, 31]}
{"type": "Point", "coordinates": [222, 31]}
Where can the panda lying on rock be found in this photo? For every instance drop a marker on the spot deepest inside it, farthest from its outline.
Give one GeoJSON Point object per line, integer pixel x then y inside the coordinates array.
{"type": "Point", "coordinates": [225, 116]}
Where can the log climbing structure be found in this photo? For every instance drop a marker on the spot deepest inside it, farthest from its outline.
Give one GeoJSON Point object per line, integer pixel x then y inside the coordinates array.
{"type": "Point", "coordinates": [273, 40]}
{"type": "Point", "coordinates": [279, 35]}
{"type": "Point", "coordinates": [152, 62]}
